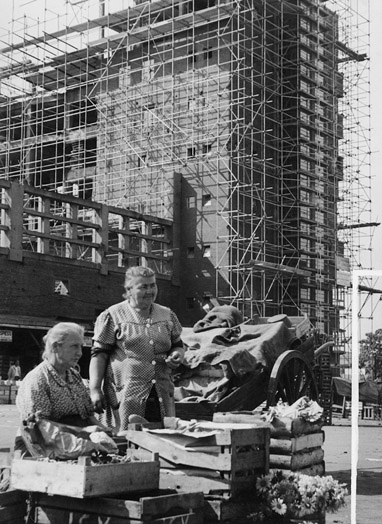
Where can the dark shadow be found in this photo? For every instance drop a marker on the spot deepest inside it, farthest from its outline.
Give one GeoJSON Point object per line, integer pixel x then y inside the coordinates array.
{"type": "Point", "coordinates": [368, 482]}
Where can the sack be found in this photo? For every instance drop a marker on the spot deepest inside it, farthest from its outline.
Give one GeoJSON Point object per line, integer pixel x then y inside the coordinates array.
{"type": "Point", "coordinates": [49, 439]}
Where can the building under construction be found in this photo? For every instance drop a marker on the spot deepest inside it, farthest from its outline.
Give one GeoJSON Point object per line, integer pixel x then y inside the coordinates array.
{"type": "Point", "coordinates": [220, 142]}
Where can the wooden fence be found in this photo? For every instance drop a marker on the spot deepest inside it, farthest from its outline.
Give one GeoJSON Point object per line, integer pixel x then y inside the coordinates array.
{"type": "Point", "coordinates": [60, 225]}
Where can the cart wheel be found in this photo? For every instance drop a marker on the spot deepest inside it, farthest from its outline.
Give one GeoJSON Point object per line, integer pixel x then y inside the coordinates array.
{"type": "Point", "coordinates": [291, 378]}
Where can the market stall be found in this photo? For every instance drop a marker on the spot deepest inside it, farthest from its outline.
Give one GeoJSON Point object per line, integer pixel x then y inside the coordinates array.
{"type": "Point", "coordinates": [260, 434]}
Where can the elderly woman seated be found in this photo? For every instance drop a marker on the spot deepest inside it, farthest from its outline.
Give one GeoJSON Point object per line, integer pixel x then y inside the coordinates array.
{"type": "Point", "coordinates": [54, 389]}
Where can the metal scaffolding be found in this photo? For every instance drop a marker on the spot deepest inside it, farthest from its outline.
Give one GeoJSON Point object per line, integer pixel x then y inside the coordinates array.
{"type": "Point", "coordinates": [355, 221]}
{"type": "Point", "coordinates": [244, 122]}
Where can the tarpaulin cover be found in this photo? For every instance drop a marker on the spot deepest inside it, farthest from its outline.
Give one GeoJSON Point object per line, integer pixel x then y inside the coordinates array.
{"type": "Point", "coordinates": [265, 342]}
{"type": "Point", "coordinates": [369, 391]}
{"type": "Point", "coordinates": [247, 348]}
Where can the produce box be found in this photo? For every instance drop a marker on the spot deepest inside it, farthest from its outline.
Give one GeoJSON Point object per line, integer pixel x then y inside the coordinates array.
{"type": "Point", "coordinates": [157, 507]}
{"type": "Point", "coordinates": [82, 478]}
{"type": "Point", "coordinates": [226, 463]}
{"type": "Point", "coordinates": [13, 507]}
{"type": "Point", "coordinates": [295, 444]}
{"type": "Point", "coordinates": [232, 448]}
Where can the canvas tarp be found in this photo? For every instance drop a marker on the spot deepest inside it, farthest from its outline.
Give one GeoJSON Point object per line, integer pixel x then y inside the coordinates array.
{"type": "Point", "coordinates": [369, 391]}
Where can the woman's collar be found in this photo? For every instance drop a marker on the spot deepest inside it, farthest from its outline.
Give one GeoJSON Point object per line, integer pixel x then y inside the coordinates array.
{"type": "Point", "coordinates": [63, 380]}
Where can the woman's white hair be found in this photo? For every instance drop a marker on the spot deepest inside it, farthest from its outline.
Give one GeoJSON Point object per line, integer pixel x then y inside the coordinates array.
{"type": "Point", "coordinates": [58, 333]}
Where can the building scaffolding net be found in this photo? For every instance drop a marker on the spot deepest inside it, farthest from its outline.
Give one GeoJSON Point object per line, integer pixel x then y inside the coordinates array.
{"type": "Point", "coordinates": [252, 114]}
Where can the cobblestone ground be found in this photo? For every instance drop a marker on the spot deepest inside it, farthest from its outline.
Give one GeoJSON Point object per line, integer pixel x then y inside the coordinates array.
{"type": "Point", "coordinates": [337, 450]}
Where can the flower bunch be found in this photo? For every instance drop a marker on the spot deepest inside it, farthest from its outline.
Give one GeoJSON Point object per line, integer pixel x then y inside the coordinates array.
{"type": "Point", "coordinates": [283, 496]}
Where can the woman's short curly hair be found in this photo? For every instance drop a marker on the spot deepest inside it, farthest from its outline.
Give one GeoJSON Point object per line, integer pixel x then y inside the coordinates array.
{"type": "Point", "coordinates": [137, 271]}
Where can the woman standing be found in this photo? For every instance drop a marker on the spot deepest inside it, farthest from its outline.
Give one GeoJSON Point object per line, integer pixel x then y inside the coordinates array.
{"type": "Point", "coordinates": [136, 345]}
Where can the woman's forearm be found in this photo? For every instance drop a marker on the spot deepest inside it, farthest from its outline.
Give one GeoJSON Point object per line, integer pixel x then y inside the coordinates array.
{"type": "Point", "coordinates": [97, 370]}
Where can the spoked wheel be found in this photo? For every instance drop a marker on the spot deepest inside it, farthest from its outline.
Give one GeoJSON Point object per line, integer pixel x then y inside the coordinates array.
{"type": "Point", "coordinates": [291, 378]}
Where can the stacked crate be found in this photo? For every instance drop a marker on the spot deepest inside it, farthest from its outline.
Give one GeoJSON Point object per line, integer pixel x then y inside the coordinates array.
{"type": "Point", "coordinates": [156, 507]}
{"type": "Point", "coordinates": [77, 491]}
{"type": "Point", "coordinates": [300, 453]}
{"type": "Point", "coordinates": [225, 471]}
{"type": "Point", "coordinates": [228, 466]}
{"type": "Point", "coordinates": [80, 478]}
{"type": "Point", "coordinates": [295, 444]}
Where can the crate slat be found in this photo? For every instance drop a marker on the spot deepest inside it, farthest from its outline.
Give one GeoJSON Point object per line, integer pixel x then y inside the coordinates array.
{"type": "Point", "coordinates": [78, 480]}
{"type": "Point", "coordinates": [298, 461]}
{"type": "Point", "coordinates": [251, 443]}
{"type": "Point", "coordinates": [62, 516]}
{"type": "Point", "coordinates": [155, 509]}
{"type": "Point", "coordinates": [296, 444]}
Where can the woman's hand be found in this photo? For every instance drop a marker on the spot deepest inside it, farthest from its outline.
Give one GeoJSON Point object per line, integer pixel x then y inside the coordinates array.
{"type": "Point", "coordinates": [98, 399]}
{"type": "Point", "coordinates": [174, 360]}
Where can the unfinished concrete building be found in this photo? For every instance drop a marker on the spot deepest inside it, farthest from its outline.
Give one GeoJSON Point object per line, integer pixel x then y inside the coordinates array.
{"type": "Point", "coordinates": [211, 130]}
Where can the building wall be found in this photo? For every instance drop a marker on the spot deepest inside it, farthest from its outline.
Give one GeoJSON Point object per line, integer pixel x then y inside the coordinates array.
{"type": "Point", "coordinates": [31, 288]}
{"type": "Point", "coordinates": [220, 116]}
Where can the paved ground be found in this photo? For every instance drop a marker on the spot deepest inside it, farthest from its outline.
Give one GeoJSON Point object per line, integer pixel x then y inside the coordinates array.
{"type": "Point", "coordinates": [337, 450]}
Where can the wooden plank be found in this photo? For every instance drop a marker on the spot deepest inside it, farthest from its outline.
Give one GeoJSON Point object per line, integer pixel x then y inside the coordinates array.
{"type": "Point", "coordinates": [279, 426]}
{"type": "Point", "coordinates": [232, 438]}
{"type": "Point", "coordinates": [209, 482]}
{"type": "Point", "coordinates": [296, 444]}
{"type": "Point", "coordinates": [190, 480]}
{"type": "Point", "coordinates": [143, 508]}
{"type": "Point", "coordinates": [152, 506]}
{"type": "Point", "coordinates": [141, 476]}
{"type": "Point", "coordinates": [247, 461]}
{"type": "Point", "coordinates": [64, 516]}
{"type": "Point", "coordinates": [177, 455]}
{"type": "Point", "coordinates": [298, 461]}
{"type": "Point", "coordinates": [223, 510]}
{"type": "Point", "coordinates": [239, 418]}
{"type": "Point", "coordinates": [76, 480]}
{"type": "Point", "coordinates": [243, 436]}
{"type": "Point", "coordinates": [313, 470]}
{"type": "Point", "coordinates": [294, 427]}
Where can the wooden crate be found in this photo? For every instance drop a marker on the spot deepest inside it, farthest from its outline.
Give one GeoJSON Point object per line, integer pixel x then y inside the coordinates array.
{"type": "Point", "coordinates": [295, 444]}
{"type": "Point", "coordinates": [155, 508]}
{"type": "Point", "coordinates": [229, 466]}
{"type": "Point", "coordinates": [297, 462]}
{"type": "Point", "coordinates": [233, 449]}
{"type": "Point", "coordinates": [13, 507]}
{"type": "Point", "coordinates": [82, 479]}
{"type": "Point", "coordinates": [301, 453]}
{"type": "Point", "coordinates": [210, 483]}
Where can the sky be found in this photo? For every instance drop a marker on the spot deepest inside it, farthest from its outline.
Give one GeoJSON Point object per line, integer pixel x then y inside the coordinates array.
{"type": "Point", "coordinates": [376, 126]}
{"type": "Point", "coordinates": [37, 6]}
{"type": "Point", "coordinates": [376, 145]}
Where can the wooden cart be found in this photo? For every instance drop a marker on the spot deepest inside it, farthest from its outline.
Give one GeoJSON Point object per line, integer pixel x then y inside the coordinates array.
{"type": "Point", "coordinates": [292, 376]}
